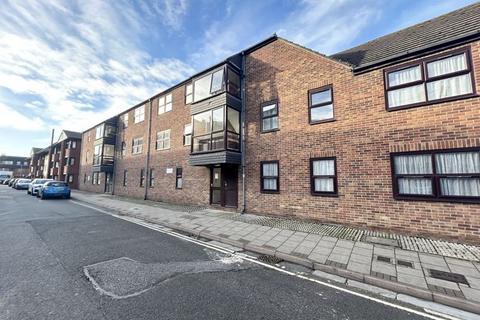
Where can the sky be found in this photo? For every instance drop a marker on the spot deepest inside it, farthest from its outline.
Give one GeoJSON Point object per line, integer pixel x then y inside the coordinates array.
{"type": "Point", "coordinates": [71, 64]}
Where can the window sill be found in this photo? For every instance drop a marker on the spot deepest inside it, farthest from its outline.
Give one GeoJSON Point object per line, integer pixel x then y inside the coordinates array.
{"type": "Point", "coordinates": [464, 200]}
{"type": "Point", "coordinates": [429, 103]}
{"type": "Point", "coordinates": [270, 192]}
{"type": "Point", "coordinates": [322, 121]}
{"type": "Point", "coordinates": [321, 194]}
{"type": "Point", "coordinates": [269, 131]}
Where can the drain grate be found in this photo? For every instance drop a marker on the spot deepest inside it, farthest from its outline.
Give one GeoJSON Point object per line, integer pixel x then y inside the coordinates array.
{"type": "Point", "coordinates": [383, 259]}
{"type": "Point", "coordinates": [405, 263]}
{"type": "Point", "coordinates": [269, 259]}
{"type": "Point", "coordinates": [448, 276]}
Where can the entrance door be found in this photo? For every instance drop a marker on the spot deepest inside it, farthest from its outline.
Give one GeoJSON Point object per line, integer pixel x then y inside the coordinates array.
{"type": "Point", "coordinates": [224, 186]}
{"type": "Point", "coordinates": [108, 182]}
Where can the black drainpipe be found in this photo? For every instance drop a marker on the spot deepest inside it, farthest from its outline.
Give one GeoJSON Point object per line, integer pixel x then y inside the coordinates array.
{"type": "Point", "coordinates": [243, 146]}
{"type": "Point", "coordinates": [147, 165]}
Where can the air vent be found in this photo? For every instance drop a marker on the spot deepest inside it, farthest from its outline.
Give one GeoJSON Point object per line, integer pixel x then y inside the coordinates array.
{"type": "Point", "coordinates": [383, 259]}
{"type": "Point", "coordinates": [448, 276]}
{"type": "Point", "coordinates": [405, 263]}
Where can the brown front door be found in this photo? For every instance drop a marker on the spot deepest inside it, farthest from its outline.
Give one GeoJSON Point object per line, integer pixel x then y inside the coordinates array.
{"type": "Point", "coordinates": [224, 186]}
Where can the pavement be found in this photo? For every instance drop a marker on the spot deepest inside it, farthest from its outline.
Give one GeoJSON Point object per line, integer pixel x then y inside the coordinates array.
{"type": "Point", "coordinates": [367, 262]}
{"type": "Point", "coordinates": [60, 259]}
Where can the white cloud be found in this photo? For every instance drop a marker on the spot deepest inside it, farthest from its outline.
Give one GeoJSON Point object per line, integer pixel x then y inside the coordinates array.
{"type": "Point", "coordinates": [329, 25]}
{"type": "Point", "coordinates": [171, 12]}
{"type": "Point", "coordinates": [85, 65]}
{"type": "Point", "coordinates": [15, 120]}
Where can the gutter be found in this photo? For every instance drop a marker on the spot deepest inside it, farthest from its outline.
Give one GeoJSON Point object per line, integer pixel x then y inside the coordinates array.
{"type": "Point", "coordinates": [149, 138]}
{"type": "Point", "coordinates": [243, 144]}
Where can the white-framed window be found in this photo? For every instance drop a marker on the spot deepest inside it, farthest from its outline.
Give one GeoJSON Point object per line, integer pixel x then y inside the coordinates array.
{"type": "Point", "coordinates": [187, 135]}
{"type": "Point", "coordinates": [165, 103]}
{"type": "Point", "coordinates": [189, 93]}
{"type": "Point", "coordinates": [137, 145]}
{"type": "Point", "coordinates": [139, 115]}
{"type": "Point", "coordinates": [72, 161]}
{"type": "Point", "coordinates": [125, 120]}
{"type": "Point", "coordinates": [163, 140]}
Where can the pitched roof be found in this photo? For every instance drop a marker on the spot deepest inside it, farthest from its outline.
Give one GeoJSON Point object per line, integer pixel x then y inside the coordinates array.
{"type": "Point", "coordinates": [454, 26]}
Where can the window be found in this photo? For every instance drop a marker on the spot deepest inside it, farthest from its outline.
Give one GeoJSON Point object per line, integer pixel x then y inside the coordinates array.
{"type": "Point", "coordinates": [125, 120]}
{"type": "Point", "coordinates": [269, 117]}
{"type": "Point", "coordinates": [65, 161]}
{"type": "Point", "coordinates": [124, 148]}
{"type": "Point", "coordinates": [99, 131]}
{"type": "Point", "coordinates": [178, 179]}
{"type": "Point", "coordinates": [84, 178]}
{"type": "Point", "coordinates": [323, 175]}
{"type": "Point", "coordinates": [233, 82]}
{"type": "Point", "coordinates": [320, 103]}
{"type": "Point", "coordinates": [95, 178]}
{"type": "Point", "coordinates": [139, 114]}
{"type": "Point", "coordinates": [97, 154]}
{"type": "Point", "coordinates": [125, 177]}
{"type": "Point", "coordinates": [137, 145]}
{"type": "Point", "coordinates": [187, 135]}
{"type": "Point", "coordinates": [152, 178]}
{"type": "Point", "coordinates": [269, 173]}
{"type": "Point", "coordinates": [431, 80]}
{"type": "Point", "coordinates": [441, 175]}
{"type": "Point", "coordinates": [208, 85]}
{"type": "Point", "coordinates": [142, 177]}
{"type": "Point", "coordinates": [70, 178]}
{"type": "Point", "coordinates": [163, 140]}
{"type": "Point", "coordinates": [72, 161]}
{"type": "Point", "coordinates": [189, 93]}
{"type": "Point", "coordinates": [165, 103]}
{"type": "Point", "coordinates": [210, 132]}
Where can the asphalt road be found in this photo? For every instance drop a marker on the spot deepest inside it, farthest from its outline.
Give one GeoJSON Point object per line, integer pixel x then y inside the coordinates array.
{"type": "Point", "coordinates": [59, 260]}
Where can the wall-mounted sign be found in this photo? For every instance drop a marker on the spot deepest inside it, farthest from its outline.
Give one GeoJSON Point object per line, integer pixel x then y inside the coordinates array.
{"type": "Point", "coordinates": [169, 170]}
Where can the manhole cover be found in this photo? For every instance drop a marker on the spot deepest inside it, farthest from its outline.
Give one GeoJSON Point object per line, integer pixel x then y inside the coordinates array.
{"type": "Point", "coordinates": [448, 276]}
{"type": "Point", "coordinates": [269, 259]}
{"type": "Point", "coordinates": [384, 241]}
{"type": "Point", "coordinates": [383, 259]}
{"type": "Point", "coordinates": [404, 263]}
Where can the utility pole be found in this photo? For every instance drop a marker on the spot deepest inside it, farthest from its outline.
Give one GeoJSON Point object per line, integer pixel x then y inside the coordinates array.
{"type": "Point", "coordinates": [49, 176]}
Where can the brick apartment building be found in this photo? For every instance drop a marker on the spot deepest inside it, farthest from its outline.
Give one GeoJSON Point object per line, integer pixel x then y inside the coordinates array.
{"type": "Point", "coordinates": [18, 166]}
{"type": "Point", "coordinates": [60, 161]}
{"type": "Point", "coordinates": [385, 135]}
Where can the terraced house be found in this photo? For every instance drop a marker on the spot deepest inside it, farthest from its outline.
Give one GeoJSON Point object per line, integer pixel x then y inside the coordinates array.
{"type": "Point", "coordinates": [385, 135]}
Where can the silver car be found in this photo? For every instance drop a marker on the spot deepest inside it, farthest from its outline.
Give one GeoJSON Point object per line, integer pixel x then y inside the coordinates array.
{"type": "Point", "coordinates": [22, 184]}
{"type": "Point", "coordinates": [35, 186]}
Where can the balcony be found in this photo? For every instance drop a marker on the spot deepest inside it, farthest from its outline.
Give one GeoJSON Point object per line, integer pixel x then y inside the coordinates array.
{"type": "Point", "coordinates": [216, 137]}
{"type": "Point", "coordinates": [103, 158]}
{"type": "Point", "coordinates": [105, 132]}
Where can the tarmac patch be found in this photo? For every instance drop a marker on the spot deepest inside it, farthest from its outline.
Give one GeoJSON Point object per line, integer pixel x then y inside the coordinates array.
{"type": "Point", "coordinates": [125, 278]}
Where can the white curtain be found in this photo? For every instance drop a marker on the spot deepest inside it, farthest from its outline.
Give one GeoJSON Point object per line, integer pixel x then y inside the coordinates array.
{"type": "Point", "coordinates": [414, 186]}
{"type": "Point", "coordinates": [449, 87]}
{"type": "Point", "coordinates": [270, 184]}
{"type": "Point", "coordinates": [404, 76]}
{"type": "Point", "coordinates": [413, 164]}
{"type": "Point", "coordinates": [270, 169]}
{"type": "Point", "coordinates": [404, 96]}
{"type": "Point", "coordinates": [447, 65]}
{"type": "Point", "coordinates": [324, 167]}
{"type": "Point", "coordinates": [324, 185]}
{"type": "Point", "coordinates": [459, 162]}
{"type": "Point", "coordinates": [460, 187]}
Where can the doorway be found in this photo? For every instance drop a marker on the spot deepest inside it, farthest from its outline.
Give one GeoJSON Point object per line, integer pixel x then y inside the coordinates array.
{"type": "Point", "coordinates": [108, 182]}
{"type": "Point", "coordinates": [224, 186]}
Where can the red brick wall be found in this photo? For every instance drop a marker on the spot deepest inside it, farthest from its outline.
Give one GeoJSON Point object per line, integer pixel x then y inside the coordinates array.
{"type": "Point", "coordinates": [361, 137]}
{"type": "Point", "coordinates": [86, 162]}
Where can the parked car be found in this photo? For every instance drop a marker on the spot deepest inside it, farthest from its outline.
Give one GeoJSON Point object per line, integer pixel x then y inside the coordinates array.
{"type": "Point", "coordinates": [6, 181]}
{"type": "Point", "coordinates": [54, 189]}
{"type": "Point", "coordinates": [36, 185]}
{"type": "Point", "coordinates": [12, 182]}
{"type": "Point", "coordinates": [22, 184]}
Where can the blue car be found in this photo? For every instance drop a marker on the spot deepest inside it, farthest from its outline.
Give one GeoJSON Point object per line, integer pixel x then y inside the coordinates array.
{"type": "Point", "coordinates": [54, 189]}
